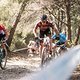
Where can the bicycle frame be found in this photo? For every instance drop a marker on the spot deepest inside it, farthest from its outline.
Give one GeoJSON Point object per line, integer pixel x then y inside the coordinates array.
{"type": "Point", "coordinates": [45, 50]}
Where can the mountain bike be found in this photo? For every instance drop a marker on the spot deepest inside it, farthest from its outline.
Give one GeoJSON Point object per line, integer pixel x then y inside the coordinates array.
{"type": "Point", "coordinates": [3, 54]}
{"type": "Point", "coordinates": [45, 51]}
{"type": "Point", "coordinates": [59, 50]}
{"type": "Point", "coordinates": [33, 47]}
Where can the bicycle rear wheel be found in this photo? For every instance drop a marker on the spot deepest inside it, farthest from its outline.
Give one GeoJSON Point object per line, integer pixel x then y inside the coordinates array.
{"type": "Point", "coordinates": [3, 59]}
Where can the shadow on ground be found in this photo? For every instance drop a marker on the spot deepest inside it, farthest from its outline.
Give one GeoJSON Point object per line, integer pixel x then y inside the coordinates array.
{"type": "Point", "coordinates": [13, 73]}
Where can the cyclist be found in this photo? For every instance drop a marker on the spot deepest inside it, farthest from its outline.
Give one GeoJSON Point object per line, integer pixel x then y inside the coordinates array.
{"type": "Point", "coordinates": [3, 32]}
{"type": "Point", "coordinates": [32, 46]}
{"type": "Point", "coordinates": [61, 39]}
{"type": "Point", "coordinates": [3, 36]}
{"type": "Point", "coordinates": [44, 29]}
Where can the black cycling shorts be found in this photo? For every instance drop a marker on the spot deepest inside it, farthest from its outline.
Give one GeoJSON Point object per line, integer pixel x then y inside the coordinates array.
{"type": "Point", "coordinates": [59, 43]}
{"type": "Point", "coordinates": [2, 36]}
{"type": "Point", "coordinates": [46, 32]}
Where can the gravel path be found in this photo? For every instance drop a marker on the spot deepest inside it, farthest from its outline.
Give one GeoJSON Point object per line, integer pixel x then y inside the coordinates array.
{"type": "Point", "coordinates": [18, 65]}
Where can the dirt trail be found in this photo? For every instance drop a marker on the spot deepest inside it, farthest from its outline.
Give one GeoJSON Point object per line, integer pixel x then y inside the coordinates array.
{"type": "Point", "coordinates": [18, 65]}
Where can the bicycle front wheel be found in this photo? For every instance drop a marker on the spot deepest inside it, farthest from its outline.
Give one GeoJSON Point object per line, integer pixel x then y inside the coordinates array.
{"type": "Point", "coordinates": [4, 58]}
{"type": "Point", "coordinates": [44, 56]}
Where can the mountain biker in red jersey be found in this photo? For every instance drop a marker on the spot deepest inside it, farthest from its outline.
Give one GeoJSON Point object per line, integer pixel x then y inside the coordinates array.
{"type": "Point", "coordinates": [3, 33]}
{"type": "Point", "coordinates": [44, 29]}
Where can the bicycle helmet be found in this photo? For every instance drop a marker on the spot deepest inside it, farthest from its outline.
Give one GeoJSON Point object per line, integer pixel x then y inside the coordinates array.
{"type": "Point", "coordinates": [44, 17]}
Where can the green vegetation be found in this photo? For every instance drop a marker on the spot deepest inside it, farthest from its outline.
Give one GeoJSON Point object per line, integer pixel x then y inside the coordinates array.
{"type": "Point", "coordinates": [26, 13]}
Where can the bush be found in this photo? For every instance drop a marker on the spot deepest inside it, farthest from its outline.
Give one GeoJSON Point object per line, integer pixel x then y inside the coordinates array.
{"type": "Point", "coordinates": [29, 37]}
{"type": "Point", "coordinates": [19, 44]}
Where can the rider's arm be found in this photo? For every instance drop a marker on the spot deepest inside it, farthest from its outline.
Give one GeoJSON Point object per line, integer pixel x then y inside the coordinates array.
{"type": "Point", "coordinates": [35, 30]}
{"type": "Point", "coordinates": [5, 31]}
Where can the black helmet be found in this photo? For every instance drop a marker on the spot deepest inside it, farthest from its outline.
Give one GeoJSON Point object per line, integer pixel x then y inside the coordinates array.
{"type": "Point", "coordinates": [44, 17]}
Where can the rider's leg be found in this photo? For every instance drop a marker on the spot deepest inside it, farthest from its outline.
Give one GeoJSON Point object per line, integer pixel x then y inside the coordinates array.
{"type": "Point", "coordinates": [50, 45]}
{"type": "Point", "coordinates": [42, 33]}
{"type": "Point", "coordinates": [40, 48]}
{"type": "Point", "coordinates": [65, 43]}
{"type": "Point", "coordinates": [55, 45]}
{"type": "Point", "coordinates": [48, 33]}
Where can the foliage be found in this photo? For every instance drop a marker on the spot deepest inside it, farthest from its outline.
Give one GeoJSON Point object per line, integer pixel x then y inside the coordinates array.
{"type": "Point", "coordinates": [31, 15]}
{"type": "Point", "coordinates": [29, 37]}
{"type": "Point", "coordinates": [19, 1]}
{"type": "Point", "coordinates": [19, 44]}
{"type": "Point", "coordinates": [18, 41]}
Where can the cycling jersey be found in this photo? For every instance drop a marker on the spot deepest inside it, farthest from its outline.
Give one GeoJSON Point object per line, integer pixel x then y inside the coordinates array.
{"type": "Point", "coordinates": [44, 27]}
{"type": "Point", "coordinates": [2, 28]}
{"type": "Point", "coordinates": [2, 32]}
{"type": "Point", "coordinates": [62, 37]}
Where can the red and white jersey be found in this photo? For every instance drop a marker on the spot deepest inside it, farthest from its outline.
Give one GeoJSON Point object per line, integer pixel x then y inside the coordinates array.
{"type": "Point", "coordinates": [2, 29]}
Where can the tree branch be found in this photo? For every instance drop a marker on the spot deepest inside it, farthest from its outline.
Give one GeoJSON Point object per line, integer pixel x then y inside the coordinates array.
{"type": "Point", "coordinates": [55, 16]}
{"type": "Point", "coordinates": [78, 2]}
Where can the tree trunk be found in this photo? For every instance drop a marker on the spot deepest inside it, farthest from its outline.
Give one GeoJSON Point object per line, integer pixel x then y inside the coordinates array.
{"type": "Point", "coordinates": [61, 20]}
{"type": "Point", "coordinates": [77, 38]}
{"type": "Point", "coordinates": [68, 9]}
{"type": "Point", "coordinates": [16, 22]}
{"type": "Point", "coordinates": [58, 23]}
